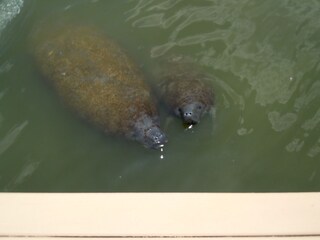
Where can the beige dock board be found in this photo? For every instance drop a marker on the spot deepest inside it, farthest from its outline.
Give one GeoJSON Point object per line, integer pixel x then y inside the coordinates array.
{"type": "Point", "coordinates": [157, 215]}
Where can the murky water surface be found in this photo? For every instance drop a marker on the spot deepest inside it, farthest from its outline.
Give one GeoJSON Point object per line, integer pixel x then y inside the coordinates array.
{"type": "Point", "coordinates": [263, 59]}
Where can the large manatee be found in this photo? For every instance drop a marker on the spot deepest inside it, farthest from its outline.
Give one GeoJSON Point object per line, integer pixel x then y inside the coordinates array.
{"type": "Point", "coordinates": [97, 79]}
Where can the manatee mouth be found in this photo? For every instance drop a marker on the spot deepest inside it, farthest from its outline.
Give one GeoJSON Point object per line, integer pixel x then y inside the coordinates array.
{"type": "Point", "coordinates": [191, 120]}
{"type": "Point", "coordinates": [187, 126]}
{"type": "Point", "coordinates": [159, 142]}
{"type": "Point", "coordinates": [156, 138]}
{"type": "Point", "coordinates": [157, 146]}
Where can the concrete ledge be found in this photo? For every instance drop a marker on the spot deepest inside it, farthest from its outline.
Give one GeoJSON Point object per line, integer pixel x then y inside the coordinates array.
{"type": "Point", "coordinates": [157, 215]}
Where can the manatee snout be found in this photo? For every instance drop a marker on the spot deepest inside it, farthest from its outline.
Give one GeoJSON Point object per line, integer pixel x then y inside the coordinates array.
{"type": "Point", "coordinates": [155, 138]}
{"type": "Point", "coordinates": [191, 113]}
{"type": "Point", "coordinates": [147, 131]}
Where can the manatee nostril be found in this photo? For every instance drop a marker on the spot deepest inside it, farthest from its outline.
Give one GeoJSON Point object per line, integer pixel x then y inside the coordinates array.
{"type": "Point", "coordinates": [159, 141]}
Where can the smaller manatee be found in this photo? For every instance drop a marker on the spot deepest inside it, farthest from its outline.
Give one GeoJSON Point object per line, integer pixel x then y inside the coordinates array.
{"type": "Point", "coordinates": [185, 91]}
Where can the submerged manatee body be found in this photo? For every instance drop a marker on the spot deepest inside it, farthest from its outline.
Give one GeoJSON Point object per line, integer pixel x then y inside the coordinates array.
{"type": "Point", "coordinates": [185, 90]}
{"type": "Point", "coordinates": [95, 77]}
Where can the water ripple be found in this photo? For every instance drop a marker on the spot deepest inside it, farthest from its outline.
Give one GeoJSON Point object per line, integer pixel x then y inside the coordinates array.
{"type": "Point", "coordinates": [254, 48]}
{"type": "Point", "coordinates": [1, 119]}
{"type": "Point", "coordinates": [149, 21]}
{"type": "Point", "coordinates": [308, 96]}
{"type": "Point", "coordinates": [6, 67]}
{"type": "Point", "coordinates": [280, 123]}
{"type": "Point", "coordinates": [315, 150]}
{"type": "Point", "coordinates": [162, 49]}
{"type": "Point", "coordinates": [2, 93]}
{"type": "Point", "coordinates": [237, 98]}
{"type": "Point", "coordinates": [203, 38]}
{"type": "Point", "coordinates": [242, 39]}
{"type": "Point", "coordinates": [11, 136]}
{"type": "Point", "coordinates": [164, 5]}
{"type": "Point", "coordinates": [26, 171]}
{"type": "Point", "coordinates": [132, 13]}
{"type": "Point", "coordinates": [312, 123]}
{"type": "Point", "coordinates": [295, 145]}
{"type": "Point", "coordinates": [8, 10]}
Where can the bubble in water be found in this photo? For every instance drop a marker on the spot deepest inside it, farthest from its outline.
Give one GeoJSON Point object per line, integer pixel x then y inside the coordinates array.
{"type": "Point", "coordinates": [190, 127]}
{"type": "Point", "coordinates": [161, 150]}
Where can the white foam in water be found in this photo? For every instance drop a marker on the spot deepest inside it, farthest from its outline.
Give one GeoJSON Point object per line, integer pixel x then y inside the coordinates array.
{"type": "Point", "coordinates": [8, 10]}
{"type": "Point", "coordinates": [189, 128]}
{"type": "Point", "coordinates": [161, 149]}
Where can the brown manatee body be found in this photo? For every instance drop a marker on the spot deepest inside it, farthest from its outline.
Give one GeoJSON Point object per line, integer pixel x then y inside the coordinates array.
{"type": "Point", "coordinates": [94, 76]}
{"type": "Point", "coordinates": [185, 90]}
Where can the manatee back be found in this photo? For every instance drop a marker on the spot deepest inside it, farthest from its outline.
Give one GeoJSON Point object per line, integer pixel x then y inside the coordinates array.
{"type": "Point", "coordinates": [95, 77]}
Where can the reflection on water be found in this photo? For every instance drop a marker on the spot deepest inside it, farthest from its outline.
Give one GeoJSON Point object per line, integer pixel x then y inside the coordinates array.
{"type": "Point", "coordinates": [8, 10]}
{"type": "Point", "coordinates": [26, 171]}
{"type": "Point", "coordinates": [5, 67]}
{"type": "Point", "coordinates": [262, 58]}
{"type": "Point", "coordinates": [281, 123]}
{"type": "Point", "coordinates": [11, 136]}
{"type": "Point", "coordinates": [247, 40]}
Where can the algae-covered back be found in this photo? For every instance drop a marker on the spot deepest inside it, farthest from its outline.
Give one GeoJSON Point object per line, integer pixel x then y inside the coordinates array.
{"type": "Point", "coordinates": [96, 78]}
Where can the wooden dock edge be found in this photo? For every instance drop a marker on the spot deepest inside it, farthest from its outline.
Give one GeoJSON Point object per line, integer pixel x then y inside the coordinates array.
{"type": "Point", "coordinates": [160, 215]}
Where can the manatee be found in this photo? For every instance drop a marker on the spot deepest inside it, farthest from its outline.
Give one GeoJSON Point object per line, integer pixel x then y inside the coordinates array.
{"type": "Point", "coordinates": [185, 90]}
{"type": "Point", "coordinates": [95, 77]}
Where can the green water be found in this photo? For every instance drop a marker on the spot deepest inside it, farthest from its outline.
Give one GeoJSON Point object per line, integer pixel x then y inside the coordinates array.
{"type": "Point", "coordinates": [263, 57]}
